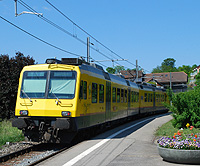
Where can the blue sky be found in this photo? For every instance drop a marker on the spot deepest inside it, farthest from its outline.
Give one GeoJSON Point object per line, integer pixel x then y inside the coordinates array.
{"type": "Point", "coordinates": [147, 30]}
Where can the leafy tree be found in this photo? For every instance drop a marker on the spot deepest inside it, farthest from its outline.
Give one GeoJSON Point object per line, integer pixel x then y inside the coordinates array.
{"type": "Point", "coordinates": [197, 80]}
{"type": "Point", "coordinates": [110, 70]}
{"type": "Point", "coordinates": [194, 66]}
{"type": "Point", "coordinates": [186, 69]}
{"type": "Point", "coordinates": [119, 68]}
{"type": "Point", "coordinates": [168, 65]}
{"type": "Point", "coordinates": [170, 62]}
{"type": "Point", "coordinates": [10, 71]}
{"type": "Point", "coordinates": [157, 70]}
{"type": "Point", "coordinates": [114, 70]}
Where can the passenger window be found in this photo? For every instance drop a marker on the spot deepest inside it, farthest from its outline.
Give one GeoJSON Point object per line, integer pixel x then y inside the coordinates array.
{"type": "Point", "coordinates": [118, 95]}
{"type": "Point", "coordinates": [85, 89]}
{"type": "Point", "coordinates": [125, 96]}
{"type": "Point", "coordinates": [135, 96]}
{"type": "Point", "coordinates": [122, 95]}
{"type": "Point", "coordinates": [81, 90]}
{"type": "Point", "coordinates": [94, 93]}
{"type": "Point", "coordinates": [101, 93]}
{"type": "Point", "coordinates": [145, 97]}
{"type": "Point", "coordinates": [132, 96]}
{"type": "Point", "coordinates": [151, 97]}
{"type": "Point", "coordinates": [114, 95]}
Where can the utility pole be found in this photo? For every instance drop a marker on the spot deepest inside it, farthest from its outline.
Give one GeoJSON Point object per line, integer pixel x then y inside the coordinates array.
{"type": "Point", "coordinates": [170, 85]}
{"type": "Point", "coordinates": [136, 70]}
{"type": "Point", "coordinates": [88, 49]}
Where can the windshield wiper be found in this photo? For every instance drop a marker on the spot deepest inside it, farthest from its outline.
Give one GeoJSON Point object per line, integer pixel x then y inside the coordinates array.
{"type": "Point", "coordinates": [26, 95]}
{"type": "Point", "coordinates": [50, 91]}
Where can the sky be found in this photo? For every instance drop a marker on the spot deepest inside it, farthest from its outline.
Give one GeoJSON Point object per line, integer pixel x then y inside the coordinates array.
{"type": "Point", "coordinates": [145, 30]}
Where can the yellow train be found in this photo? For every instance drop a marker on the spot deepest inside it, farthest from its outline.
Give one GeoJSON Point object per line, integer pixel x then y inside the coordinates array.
{"type": "Point", "coordinates": [58, 99]}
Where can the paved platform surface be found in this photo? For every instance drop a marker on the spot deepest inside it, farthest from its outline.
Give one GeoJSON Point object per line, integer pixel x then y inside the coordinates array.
{"type": "Point", "coordinates": [132, 144]}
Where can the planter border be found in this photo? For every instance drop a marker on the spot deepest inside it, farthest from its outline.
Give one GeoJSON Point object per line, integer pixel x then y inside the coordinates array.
{"type": "Point", "coordinates": [180, 156]}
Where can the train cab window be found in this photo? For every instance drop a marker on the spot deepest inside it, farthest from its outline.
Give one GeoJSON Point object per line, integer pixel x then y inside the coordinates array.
{"type": "Point", "coordinates": [145, 97]}
{"type": "Point", "coordinates": [114, 95]}
{"type": "Point", "coordinates": [62, 85]}
{"type": "Point", "coordinates": [94, 93]}
{"type": "Point", "coordinates": [33, 84]}
{"type": "Point", "coordinates": [85, 89]}
{"type": "Point", "coordinates": [122, 95]}
{"type": "Point", "coordinates": [118, 95]}
{"type": "Point", "coordinates": [101, 93]}
{"type": "Point", "coordinates": [81, 90]}
{"type": "Point", "coordinates": [125, 96]}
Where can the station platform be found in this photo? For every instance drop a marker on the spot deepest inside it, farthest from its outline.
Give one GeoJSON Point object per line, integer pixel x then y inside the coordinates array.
{"type": "Point", "coordinates": [130, 144]}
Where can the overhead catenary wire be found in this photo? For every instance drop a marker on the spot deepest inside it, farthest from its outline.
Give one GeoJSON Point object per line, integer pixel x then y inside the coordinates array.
{"type": "Point", "coordinates": [70, 34]}
{"type": "Point", "coordinates": [60, 28]}
{"type": "Point", "coordinates": [38, 38]}
{"type": "Point", "coordinates": [83, 29]}
{"type": "Point", "coordinates": [87, 33]}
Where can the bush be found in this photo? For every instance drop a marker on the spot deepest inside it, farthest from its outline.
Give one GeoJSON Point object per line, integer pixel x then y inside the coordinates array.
{"type": "Point", "coordinates": [186, 108]}
{"type": "Point", "coordinates": [9, 133]}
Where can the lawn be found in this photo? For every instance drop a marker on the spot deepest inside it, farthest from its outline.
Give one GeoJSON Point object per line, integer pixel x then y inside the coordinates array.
{"type": "Point", "coordinates": [167, 129]}
{"type": "Point", "coordinates": [9, 133]}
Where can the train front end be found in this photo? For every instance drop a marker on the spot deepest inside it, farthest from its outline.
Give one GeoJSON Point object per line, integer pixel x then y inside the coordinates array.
{"type": "Point", "coordinates": [46, 102]}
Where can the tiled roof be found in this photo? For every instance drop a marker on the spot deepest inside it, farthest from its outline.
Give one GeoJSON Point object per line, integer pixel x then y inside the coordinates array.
{"type": "Point", "coordinates": [176, 77]}
{"type": "Point", "coordinates": [131, 74]}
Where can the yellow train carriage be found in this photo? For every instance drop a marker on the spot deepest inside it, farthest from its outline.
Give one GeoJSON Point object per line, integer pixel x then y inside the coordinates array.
{"type": "Point", "coordinates": [60, 98]}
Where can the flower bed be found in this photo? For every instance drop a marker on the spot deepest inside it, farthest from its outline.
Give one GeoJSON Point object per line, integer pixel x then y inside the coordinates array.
{"type": "Point", "coordinates": [180, 148]}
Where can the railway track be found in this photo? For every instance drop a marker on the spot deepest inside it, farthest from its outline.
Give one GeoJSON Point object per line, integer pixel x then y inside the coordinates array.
{"type": "Point", "coordinates": [32, 155]}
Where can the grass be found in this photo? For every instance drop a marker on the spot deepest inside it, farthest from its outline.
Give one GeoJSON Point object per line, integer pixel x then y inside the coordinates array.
{"type": "Point", "coordinates": [9, 133]}
{"type": "Point", "coordinates": [167, 129]}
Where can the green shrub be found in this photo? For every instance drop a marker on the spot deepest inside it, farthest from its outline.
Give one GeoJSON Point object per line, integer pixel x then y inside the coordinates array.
{"type": "Point", "coordinates": [186, 108]}
{"type": "Point", "coordinates": [9, 133]}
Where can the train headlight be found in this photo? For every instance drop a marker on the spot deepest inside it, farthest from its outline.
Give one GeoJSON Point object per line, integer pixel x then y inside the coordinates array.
{"type": "Point", "coordinates": [66, 113]}
{"type": "Point", "coordinates": [23, 112]}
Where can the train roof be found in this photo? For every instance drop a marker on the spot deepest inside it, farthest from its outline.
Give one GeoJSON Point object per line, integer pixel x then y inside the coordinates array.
{"type": "Point", "coordinates": [98, 71]}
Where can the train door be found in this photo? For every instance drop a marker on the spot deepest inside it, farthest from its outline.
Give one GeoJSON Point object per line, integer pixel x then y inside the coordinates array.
{"type": "Point", "coordinates": [108, 101]}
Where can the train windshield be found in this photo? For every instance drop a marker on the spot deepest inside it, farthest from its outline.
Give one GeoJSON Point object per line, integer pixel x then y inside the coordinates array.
{"type": "Point", "coordinates": [34, 84]}
{"type": "Point", "coordinates": [48, 84]}
{"type": "Point", "coordinates": [62, 84]}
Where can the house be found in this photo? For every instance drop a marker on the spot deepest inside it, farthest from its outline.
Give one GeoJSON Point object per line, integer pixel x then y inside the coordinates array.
{"type": "Point", "coordinates": [131, 75]}
{"type": "Point", "coordinates": [192, 76]}
{"type": "Point", "coordinates": [178, 80]}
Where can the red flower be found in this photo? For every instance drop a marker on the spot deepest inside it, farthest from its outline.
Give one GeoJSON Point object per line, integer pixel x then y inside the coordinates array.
{"type": "Point", "coordinates": [194, 139]}
{"type": "Point", "coordinates": [192, 134]}
{"type": "Point", "coordinates": [195, 135]}
{"type": "Point", "coordinates": [174, 136]}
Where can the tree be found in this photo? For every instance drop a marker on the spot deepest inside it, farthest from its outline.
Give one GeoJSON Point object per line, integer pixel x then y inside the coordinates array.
{"type": "Point", "coordinates": [10, 71]}
{"type": "Point", "coordinates": [197, 77]}
{"type": "Point", "coordinates": [170, 62]}
{"type": "Point", "coordinates": [110, 70]}
{"type": "Point", "coordinates": [168, 65]}
{"type": "Point", "coordinates": [114, 70]}
{"type": "Point", "coordinates": [186, 69]}
{"type": "Point", "coordinates": [119, 68]}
